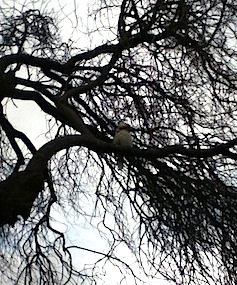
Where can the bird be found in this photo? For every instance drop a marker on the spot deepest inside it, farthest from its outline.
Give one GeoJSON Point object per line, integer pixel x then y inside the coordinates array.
{"type": "Point", "coordinates": [122, 138]}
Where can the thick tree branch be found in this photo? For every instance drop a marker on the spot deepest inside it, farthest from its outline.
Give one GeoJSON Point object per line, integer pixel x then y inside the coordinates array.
{"type": "Point", "coordinates": [42, 156]}
{"type": "Point", "coordinates": [30, 60]}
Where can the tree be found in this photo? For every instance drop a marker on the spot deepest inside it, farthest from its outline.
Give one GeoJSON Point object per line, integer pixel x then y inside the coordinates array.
{"type": "Point", "coordinates": [169, 69]}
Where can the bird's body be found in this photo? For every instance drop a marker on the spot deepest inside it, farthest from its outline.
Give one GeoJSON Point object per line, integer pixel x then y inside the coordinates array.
{"type": "Point", "coordinates": [122, 138]}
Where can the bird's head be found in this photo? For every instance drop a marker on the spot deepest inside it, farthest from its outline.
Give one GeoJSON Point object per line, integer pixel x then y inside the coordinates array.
{"type": "Point", "coordinates": [124, 126]}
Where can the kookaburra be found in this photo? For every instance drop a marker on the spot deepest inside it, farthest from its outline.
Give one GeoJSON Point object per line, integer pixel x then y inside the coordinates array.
{"type": "Point", "coordinates": [123, 138]}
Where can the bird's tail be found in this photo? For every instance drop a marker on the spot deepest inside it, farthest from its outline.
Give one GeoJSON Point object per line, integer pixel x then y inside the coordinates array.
{"type": "Point", "coordinates": [120, 162]}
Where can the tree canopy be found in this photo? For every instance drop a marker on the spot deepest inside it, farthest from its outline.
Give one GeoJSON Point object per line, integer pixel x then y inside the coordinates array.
{"type": "Point", "coordinates": [169, 69]}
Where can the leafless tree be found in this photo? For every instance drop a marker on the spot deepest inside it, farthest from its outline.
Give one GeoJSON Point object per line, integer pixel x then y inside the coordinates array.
{"type": "Point", "coordinates": [168, 68]}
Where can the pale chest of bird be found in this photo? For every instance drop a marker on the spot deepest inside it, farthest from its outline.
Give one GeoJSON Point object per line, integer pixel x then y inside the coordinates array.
{"type": "Point", "coordinates": [123, 137]}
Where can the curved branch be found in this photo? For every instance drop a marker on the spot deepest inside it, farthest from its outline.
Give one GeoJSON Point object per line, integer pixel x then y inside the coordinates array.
{"type": "Point", "coordinates": [99, 146]}
{"type": "Point", "coordinates": [12, 134]}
